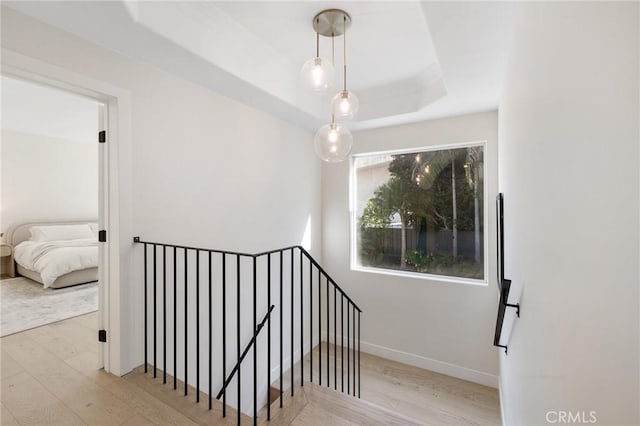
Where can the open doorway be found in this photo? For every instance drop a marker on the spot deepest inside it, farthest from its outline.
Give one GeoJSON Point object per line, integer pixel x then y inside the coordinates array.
{"type": "Point", "coordinates": [51, 190]}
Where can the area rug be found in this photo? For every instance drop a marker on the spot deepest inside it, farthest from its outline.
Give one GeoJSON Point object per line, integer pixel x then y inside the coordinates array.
{"type": "Point", "coordinates": [27, 304]}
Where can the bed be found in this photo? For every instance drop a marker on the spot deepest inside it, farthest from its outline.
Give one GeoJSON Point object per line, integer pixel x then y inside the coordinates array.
{"type": "Point", "coordinates": [61, 254]}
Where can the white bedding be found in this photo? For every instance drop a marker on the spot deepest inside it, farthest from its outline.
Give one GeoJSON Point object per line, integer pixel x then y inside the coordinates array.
{"type": "Point", "coordinates": [53, 259]}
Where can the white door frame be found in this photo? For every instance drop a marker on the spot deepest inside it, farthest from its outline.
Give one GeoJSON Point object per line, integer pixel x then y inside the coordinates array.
{"type": "Point", "coordinates": [118, 107]}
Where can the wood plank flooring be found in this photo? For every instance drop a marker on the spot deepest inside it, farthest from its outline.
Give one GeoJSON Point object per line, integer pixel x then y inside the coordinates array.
{"type": "Point", "coordinates": [313, 405]}
{"type": "Point", "coordinates": [429, 397]}
{"type": "Point", "coordinates": [49, 376]}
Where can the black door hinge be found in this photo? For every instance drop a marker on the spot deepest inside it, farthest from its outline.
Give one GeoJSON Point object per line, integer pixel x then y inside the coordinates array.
{"type": "Point", "coordinates": [102, 136]}
{"type": "Point", "coordinates": [102, 236]}
{"type": "Point", "coordinates": [102, 335]}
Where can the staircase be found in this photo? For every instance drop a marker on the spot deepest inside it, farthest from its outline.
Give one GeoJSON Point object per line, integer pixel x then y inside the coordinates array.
{"type": "Point", "coordinates": [233, 327]}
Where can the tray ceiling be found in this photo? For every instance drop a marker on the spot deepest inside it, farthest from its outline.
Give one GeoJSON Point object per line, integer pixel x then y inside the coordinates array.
{"type": "Point", "coordinates": [407, 61]}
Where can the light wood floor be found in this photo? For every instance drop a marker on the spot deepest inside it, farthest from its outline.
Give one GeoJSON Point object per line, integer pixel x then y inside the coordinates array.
{"type": "Point", "coordinates": [317, 405]}
{"type": "Point", "coordinates": [49, 376]}
{"type": "Point", "coordinates": [422, 395]}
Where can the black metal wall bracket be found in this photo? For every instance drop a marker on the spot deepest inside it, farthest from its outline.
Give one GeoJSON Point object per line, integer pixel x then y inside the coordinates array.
{"type": "Point", "coordinates": [504, 297]}
{"type": "Point", "coordinates": [506, 349]}
{"type": "Point", "coordinates": [517, 306]}
{"type": "Point", "coordinates": [502, 306]}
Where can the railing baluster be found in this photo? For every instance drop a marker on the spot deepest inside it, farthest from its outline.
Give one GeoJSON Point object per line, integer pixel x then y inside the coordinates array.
{"type": "Point", "coordinates": [224, 332]}
{"type": "Point", "coordinates": [319, 329]}
{"type": "Point", "coordinates": [301, 322]}
{"type": "Point", "coordinates": [269, 337]}
{"type": "Point", "coordinates": [342, 339]}
{"type": "Point", "coordinates": [291, 297]}
{"type": "Point", "coordinates": [328, 339]}
{"type": "Point", "coordinates": [175, 321]}
{"type": "Point", "coordinates": [310, 321]}
{"type": "Point", "coordinates": [197, 325]}
{"type": "Point", "coordinates": [164, 314]}
{"type": "Point", "coordinates": [155, 317]}
{"type": "Point", "coordinates": [255, 346]}
{"type": "Point", "coordinates": [335, 338]}
{"type": "Point", "coordinates": [359, 339]}
{"type": "Point", "coordinates": [238, 414]}
{"type": "Point", "coordinates": [210, 330]}
{"type": "Point", "coordinates": [146, 303]}
{"type": "Point", "coordinates": [354, 349]}
{"type": "Point", "coordinates": [281, 345]}
{"type": "Point", "coordinates": [186, 292]}
{"type": "Point", "coordinates": [348, 350]}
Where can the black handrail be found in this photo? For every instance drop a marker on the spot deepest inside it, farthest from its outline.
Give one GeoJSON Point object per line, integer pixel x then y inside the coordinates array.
{"type": "Point", "coordinates": [503, 284]}
{"type": "Point", "coordinates": [235, 253]}
{"type": "Point", "coordinates": [244, 353]}
{"type": "Point", "coordinates": [321, 269]}
{"type": "Point", "coordinates": [306, 285]}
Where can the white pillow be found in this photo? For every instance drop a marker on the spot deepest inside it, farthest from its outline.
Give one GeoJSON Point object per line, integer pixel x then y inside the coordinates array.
{"type": "Point", "coordinates": [60, 232]}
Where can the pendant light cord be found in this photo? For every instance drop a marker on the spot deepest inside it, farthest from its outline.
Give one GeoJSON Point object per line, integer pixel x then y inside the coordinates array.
{"type": "Point", "coordinates": [317, 45]}
{"type": "Point", "coordinates": [344, 51]}
{"type": "Point", "coordinates": [333, 49]}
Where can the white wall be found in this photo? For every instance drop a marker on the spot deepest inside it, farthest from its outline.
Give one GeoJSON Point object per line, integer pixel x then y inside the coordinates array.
{"type": "Point", "coordinates": [569, 173]}
{"type": "Point", "coordinates": [40, 109]}
{"type": "Point", "coordinates": [206, 171]}
{"type": "Point", "coordinates": [45, 178]}
{"type": "Point", "coordinates": [443, 326]}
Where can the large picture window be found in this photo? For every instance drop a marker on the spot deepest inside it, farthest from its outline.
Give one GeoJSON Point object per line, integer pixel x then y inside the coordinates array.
{"type": "Point", "coordinates": [420, 212]}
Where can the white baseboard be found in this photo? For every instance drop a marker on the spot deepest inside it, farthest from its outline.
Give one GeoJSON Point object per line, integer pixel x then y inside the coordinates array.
{"type": "Point", "coordinates": [442, 367]}
{"type": "Point", "coordinates": [453, 370]}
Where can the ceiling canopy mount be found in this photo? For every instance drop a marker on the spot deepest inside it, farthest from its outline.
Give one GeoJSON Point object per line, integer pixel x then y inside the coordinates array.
{"type": "Point", "coordinates": [331, 22]}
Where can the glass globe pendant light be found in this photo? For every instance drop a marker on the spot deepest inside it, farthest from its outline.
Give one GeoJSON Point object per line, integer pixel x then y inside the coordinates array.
{"type": "Point", "coordinates": [317, 74]}
{"type": "Point", "coordinates": [345, 104]}
{"type": "Point", "coordinates": [333, 142]}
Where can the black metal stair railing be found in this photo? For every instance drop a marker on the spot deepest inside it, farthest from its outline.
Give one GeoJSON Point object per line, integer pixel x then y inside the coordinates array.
{"type": "Point", "coordinates": [313, 296]}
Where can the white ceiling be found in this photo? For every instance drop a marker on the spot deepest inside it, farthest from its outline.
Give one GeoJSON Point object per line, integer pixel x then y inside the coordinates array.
{"type": "Point", "coordinates": [407, 60]}
{"type": "Point", "coordinates": [42, 110]}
